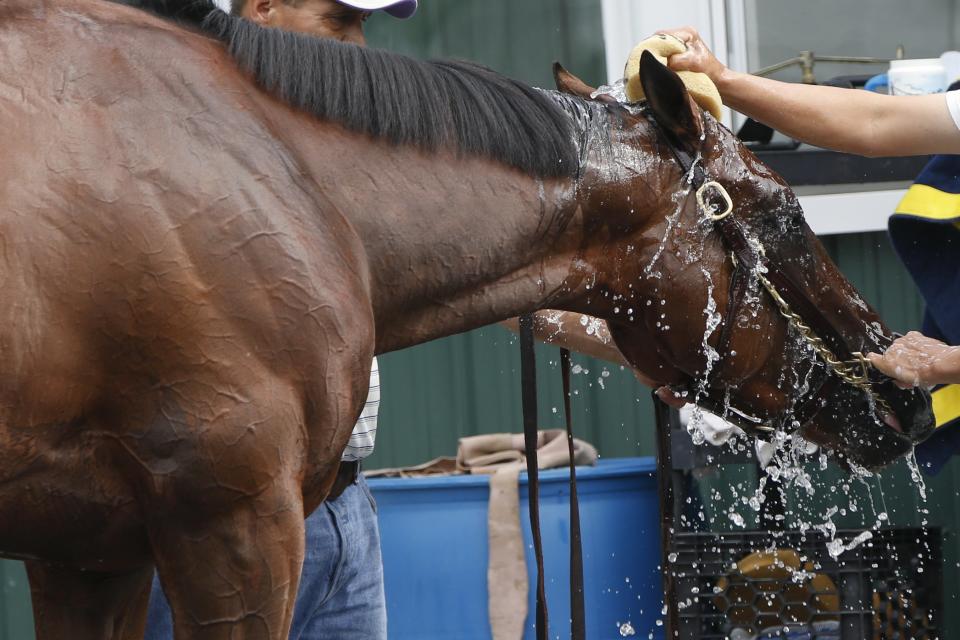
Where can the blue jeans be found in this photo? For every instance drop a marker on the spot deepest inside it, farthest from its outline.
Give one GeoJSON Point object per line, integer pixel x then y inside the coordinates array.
{"type": "Point", "coordinates": [341, 588]}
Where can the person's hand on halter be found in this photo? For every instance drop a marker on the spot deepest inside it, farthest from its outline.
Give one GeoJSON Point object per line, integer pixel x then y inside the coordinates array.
{"type": "Point", "coordinates": [918, 361]}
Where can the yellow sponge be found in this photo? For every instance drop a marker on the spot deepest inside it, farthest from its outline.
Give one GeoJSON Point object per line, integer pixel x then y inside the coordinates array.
{"type": "Point", "coordinates": [663, 46]}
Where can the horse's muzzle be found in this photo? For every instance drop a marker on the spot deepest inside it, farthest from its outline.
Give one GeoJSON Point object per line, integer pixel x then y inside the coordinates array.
{"type": "Point", "coordinates": [877, 440]}
{"type": "Point", "coordinates": [913, 409]}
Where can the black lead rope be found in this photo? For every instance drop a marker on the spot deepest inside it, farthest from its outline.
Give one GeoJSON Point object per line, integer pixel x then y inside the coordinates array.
{"type": "Point", "coordinates": [528, 382]}
{"type": "Point", "coordinates": [578, 621]}
{"type": "Point", "coordinates": [528, 379]}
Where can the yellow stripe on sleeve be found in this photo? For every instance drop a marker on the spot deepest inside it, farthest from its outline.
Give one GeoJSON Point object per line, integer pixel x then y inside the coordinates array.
{"type": "Point", "coordinates": [923, 201]}
{"type": "Point", "coordinates": [946, 404]}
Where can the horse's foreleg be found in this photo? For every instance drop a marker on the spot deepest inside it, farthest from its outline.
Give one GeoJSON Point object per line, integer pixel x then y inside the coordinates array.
{"type": "Point", "coordinates": [223, 505]}
{"type": "Point", "coordinates": [234, 576]}
{"type": "Point", "coordinates": [85, 605]}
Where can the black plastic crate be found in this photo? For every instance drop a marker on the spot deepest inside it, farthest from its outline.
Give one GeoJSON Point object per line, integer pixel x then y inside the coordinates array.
{"type": "Point", "coordinates": [888, 588]}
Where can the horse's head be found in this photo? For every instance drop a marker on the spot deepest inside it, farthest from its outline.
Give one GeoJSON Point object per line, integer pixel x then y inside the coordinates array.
{"type": "Point", "coordinates": [745, 313]}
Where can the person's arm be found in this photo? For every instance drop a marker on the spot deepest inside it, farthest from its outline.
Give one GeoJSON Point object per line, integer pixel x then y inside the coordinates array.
{"type": "Point", "coordinates": [566, 329]}
{"type": "Point", "coordinates": [860, 122]}
{"type": "Point", "coordinates": [918, 361]}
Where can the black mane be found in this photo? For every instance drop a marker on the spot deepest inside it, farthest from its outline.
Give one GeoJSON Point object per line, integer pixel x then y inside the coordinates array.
{"type": "Point", "coordinates": [406, 101]}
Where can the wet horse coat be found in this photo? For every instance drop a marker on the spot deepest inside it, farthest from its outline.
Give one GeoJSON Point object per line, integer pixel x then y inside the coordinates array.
{"type": "Point", "coordinates": [196, 274]}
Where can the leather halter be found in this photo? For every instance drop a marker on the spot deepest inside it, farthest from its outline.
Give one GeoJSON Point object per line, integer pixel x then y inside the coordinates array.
{"type": "Point", "coordinates": [748, 257]}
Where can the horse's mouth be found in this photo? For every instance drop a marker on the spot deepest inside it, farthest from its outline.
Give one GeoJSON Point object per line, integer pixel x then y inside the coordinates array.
{"type": "Point", "coordinates": [912, 414]}
{"type": "Point", "coordinates": [892, 421]}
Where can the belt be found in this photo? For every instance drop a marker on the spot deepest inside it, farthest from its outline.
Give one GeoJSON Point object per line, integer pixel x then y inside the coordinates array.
{"type": "Point", "coordinates": [347, 474]}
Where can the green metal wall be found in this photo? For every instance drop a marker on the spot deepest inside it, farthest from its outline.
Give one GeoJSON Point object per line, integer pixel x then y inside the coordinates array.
{"type": "Point", "coordinates": [521, 39]}
{"type": "Point", "coordinates": [16, 619]}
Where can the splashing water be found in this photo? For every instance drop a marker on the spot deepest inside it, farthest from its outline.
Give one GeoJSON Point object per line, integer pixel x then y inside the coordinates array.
{"type": "Point", "coordinates": [679, 198]}
{"type": "Point", "coordinates": [618, 91]}
{"type": "Point", "coordinates": [837, 547]}
{"type": "Point", "coordinates": [593, 327]}
{"type": "Point", "coordinates": [671, 221]}
{"type": "Point", "coordinates": [915, 475]}
{"type": "Point", "coordinates": [603, 375]}
{"type": "Point", "coordinates": [554, 322]}
{"type": "Point", "coordinates": [713, 320]}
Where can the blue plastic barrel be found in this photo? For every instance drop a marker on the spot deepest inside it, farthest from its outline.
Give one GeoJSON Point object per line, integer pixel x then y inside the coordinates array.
{"type": "Point", "coordinates": [434, 535]}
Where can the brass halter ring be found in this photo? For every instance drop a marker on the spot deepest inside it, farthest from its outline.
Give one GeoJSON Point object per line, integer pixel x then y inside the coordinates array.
{"type": "Point", "coordinates": [708, 209]}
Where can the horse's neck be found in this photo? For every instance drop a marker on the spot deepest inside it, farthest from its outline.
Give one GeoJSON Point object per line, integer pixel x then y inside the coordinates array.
{"type": "Point", "coordinates": [456, 243]}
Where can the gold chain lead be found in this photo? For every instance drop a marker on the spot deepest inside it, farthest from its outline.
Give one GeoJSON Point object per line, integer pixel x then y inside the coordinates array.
{"type": "Point", "coordinates": [854, 372]}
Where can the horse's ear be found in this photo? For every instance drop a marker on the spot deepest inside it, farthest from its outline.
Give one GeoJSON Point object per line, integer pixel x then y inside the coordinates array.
{"type": "Point", "coordinates": [568, 83]}
{"type": "Point", "coordinates": [672, 105]}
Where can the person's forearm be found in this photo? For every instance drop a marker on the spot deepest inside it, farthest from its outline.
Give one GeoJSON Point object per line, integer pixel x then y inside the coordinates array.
{"type": "Point", "coordinates": [850, 120]}
{"type": "Point", "coordinates": [565, 329]}
{"type": "Point", "coordinates": [809, 113]}
{"type": "Point", "coordinates": [949, 372]}
{"type": "Point", "coordinates": [860, 122]}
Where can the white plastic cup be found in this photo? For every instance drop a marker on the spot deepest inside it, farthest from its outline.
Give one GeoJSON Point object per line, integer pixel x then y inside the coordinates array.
{"type": "Point", "coordinates": [951, 62]}
{"type": "Point", "coordinates": [917, 77]}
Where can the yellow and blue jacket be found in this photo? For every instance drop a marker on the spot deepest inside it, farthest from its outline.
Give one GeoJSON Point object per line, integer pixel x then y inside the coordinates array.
{"type": "Point", "coordinates": [925, 231]}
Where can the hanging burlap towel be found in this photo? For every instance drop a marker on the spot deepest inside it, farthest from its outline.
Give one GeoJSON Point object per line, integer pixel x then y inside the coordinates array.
{"type": "Point", "coordinates": [502, 456]}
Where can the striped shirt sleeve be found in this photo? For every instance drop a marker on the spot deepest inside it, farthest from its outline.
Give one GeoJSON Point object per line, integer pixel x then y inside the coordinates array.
{"type": "Point", "coordinates": [364, 433]}
{"type": "Point", "coordinates": [953, 103]}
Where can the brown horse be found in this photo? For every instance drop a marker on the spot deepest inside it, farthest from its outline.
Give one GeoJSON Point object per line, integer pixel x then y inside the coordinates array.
{"type": "Point", "coordinates": [196, 271]}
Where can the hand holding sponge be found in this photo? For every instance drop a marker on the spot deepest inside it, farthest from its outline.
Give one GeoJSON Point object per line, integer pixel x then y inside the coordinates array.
{"type": "Point", "coordinates": [662, 45]}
